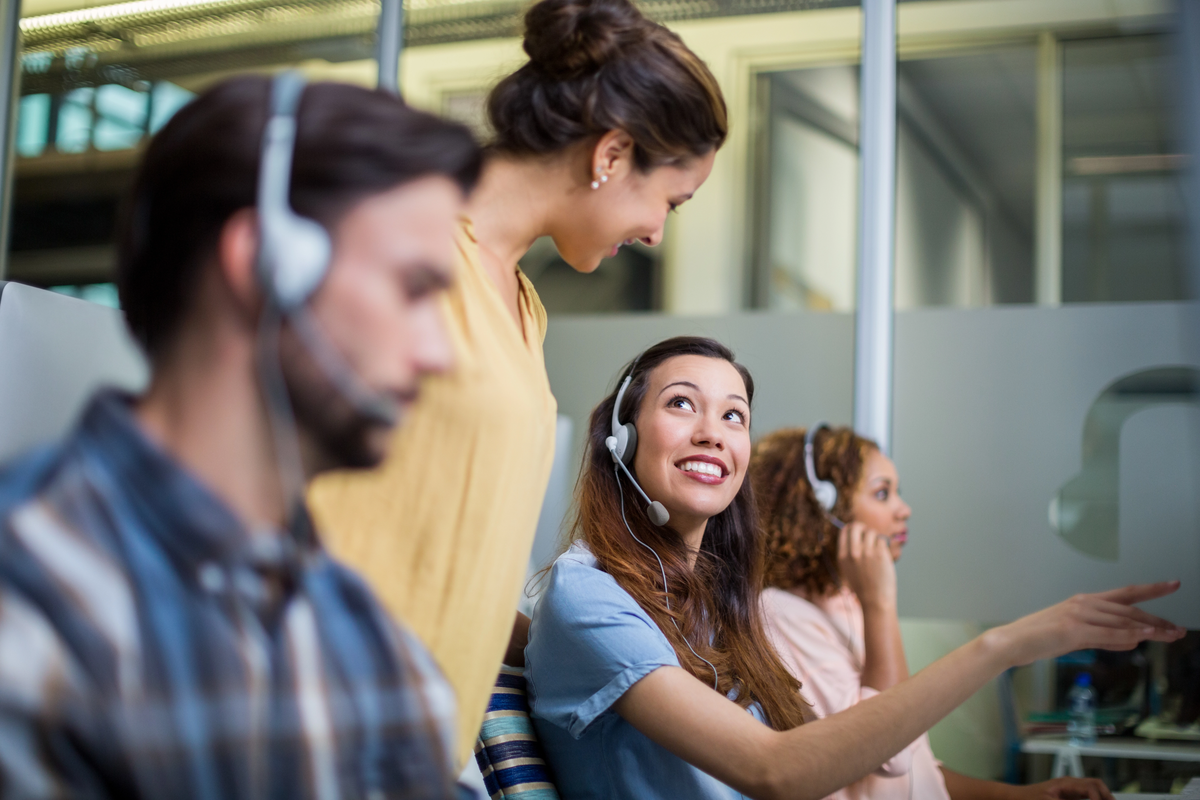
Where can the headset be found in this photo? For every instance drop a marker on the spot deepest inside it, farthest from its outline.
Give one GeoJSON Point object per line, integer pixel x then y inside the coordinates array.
{"type": "Point", "coordinates": [293, 259]}
{"type": "Point", "coordinates": [294, 252]}
{"type": "Point", "coordinates": [825, 493]}
{"type": "Point", "coordinates": [622, 444]}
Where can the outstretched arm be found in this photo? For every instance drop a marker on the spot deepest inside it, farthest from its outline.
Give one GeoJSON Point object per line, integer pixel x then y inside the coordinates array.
{"type": "Point", "coordinates": [687, 718]}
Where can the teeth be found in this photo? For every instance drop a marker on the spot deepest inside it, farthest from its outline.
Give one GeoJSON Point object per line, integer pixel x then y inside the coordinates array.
{"type": "Point", "coordinates": [702, 467]}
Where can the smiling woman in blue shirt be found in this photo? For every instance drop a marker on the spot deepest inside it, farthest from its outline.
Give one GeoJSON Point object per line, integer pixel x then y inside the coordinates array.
{"type": "Point", "coordinates": [648, 691]}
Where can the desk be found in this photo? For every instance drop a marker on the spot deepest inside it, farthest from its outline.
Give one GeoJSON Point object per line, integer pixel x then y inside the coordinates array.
{"type": "Point", "coordinates": [1067, 756]}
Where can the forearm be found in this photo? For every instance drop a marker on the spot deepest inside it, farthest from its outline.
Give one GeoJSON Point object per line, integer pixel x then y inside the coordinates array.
{"type": "Point", "coordinates": [818, 759]}
{"type": "Point", "coordinates": [884, 664]}
{"type": "Point", "coordinates": [962, 787]}
{"type": "Point", "coordinates": [672, 708]}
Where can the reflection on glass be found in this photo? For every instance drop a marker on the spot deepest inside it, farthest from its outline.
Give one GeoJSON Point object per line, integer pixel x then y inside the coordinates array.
{"type": "Point", "coordinates": [1085, 511]}
{"type": "Point", "coordinates": [109, 117]}
{"type": "Point", "coordinates": [75, 121]}
{"type": "Point", "coordinates": [33, 124]}
{"type": "Point", "coordinates": [1123, 211]}
{"type": "Point", "coordinates": [121, 117]}
{"type": "Point", "coordinates": [165, 99]}
{"type": "Point", "coordinates": [964, 183]}
{"type": "Point", "coordinates": [814, 189]}
{"type": "Point", "coordinates": [965, 179]}
{"type": "Point", "coordinates": [104, 294]}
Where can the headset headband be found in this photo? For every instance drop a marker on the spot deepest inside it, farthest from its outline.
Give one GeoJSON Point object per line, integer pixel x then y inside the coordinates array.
{"type": "Point", "coordinates": [824, 491]}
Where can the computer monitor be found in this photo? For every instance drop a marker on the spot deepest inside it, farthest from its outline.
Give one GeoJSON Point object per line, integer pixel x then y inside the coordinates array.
{"type": "Point", "coordinates": [55, 351]}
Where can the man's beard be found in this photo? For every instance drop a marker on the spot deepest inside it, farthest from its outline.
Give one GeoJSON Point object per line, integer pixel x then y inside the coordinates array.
{"type": "Point", "coordinates": [334, 434]}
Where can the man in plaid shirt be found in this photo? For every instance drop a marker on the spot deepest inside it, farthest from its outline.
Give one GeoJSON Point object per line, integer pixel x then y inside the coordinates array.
{"type": "Point", "coordinates": [169, 628]}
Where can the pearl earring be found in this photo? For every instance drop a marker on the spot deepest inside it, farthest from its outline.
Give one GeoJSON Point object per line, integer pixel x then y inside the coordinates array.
{"type": "Point", "coordinates": [600, 178]}
{"type": "Point", "coordinates": [595, 184]}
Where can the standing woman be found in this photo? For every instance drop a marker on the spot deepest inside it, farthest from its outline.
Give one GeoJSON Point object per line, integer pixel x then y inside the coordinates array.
{"type": "Point", "coordinates": [611, 124]}
{"type": "Point", "coordinates": [831, 598]}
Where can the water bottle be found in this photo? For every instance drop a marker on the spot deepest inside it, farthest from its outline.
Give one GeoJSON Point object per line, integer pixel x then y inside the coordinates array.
{"type": "Point", "coordinates": [1081, 727]}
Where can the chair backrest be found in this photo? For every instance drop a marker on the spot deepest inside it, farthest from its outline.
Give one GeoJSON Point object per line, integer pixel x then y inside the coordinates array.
{"type": "Point", "coordinates": [507, 751]}
{"type": "Point", "coordinates": [54, 352]}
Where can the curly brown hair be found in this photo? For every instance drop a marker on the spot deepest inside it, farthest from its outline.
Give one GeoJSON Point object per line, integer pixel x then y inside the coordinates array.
{"type": "Point", "coordinates": [801, 540]}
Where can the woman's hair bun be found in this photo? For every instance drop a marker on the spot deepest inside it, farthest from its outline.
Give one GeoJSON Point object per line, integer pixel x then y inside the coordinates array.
{"type": "Point", "coordinates": [567, 39]}
{"type": "Point", "coordinates": [597, 66]}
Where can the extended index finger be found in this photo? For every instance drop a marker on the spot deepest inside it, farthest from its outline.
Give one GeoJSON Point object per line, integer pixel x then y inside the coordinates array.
{"type": "Point", "coordinates": [1128, 595]}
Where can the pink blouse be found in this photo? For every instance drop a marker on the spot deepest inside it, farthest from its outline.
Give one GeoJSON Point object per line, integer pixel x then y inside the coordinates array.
{"type": "Point", "coordinates": [821, 644]}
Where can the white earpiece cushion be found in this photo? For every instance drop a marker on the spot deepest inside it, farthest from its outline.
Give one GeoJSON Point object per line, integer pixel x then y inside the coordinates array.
{"type": "Point", "coordinates": [628, 439]}
{"type": "Point", "coordinates": [826, 494]}
{"type": "Point", "coordinates": [300, 251]}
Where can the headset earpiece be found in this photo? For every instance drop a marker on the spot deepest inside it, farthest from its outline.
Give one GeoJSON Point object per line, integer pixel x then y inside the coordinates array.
{"type": "Point", "coordinates": [825, 492]}
{"type": "Point", "coordinates": [622, 444]}
{"type": "Point", "coordinates": [625, 435]}
{"type": "Point", "coordinates": [294, 252]}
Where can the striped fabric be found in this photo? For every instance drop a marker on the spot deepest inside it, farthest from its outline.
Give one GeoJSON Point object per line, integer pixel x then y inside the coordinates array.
{"type": "Point", "coordinates": [507, 750]}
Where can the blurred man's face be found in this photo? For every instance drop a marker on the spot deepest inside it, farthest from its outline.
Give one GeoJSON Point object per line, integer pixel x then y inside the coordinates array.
{"type": "Point", "coordinates": [392, 258]}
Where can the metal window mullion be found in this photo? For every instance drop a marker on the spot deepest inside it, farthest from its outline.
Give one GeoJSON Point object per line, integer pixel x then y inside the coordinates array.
{"type": "Point", "coordinates": [10, 83]}
{"type": "Point", "coordinates": [1048, 197]}
{"type": "Point", "coordinates": [875, 316]}
{"type": "Point", "coordinates": [389, 43]}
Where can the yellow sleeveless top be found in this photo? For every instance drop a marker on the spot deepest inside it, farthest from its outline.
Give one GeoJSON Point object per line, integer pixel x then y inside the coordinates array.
{"type": "Point", "coordinates": [442, 531]}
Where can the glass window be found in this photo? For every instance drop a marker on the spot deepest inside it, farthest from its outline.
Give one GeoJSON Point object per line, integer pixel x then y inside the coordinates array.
{"type": "Point", "coordinates": [75, 117]}
{"type": "Point", "coordinates": [120, 117]}
{"type": "Point", "coordinates": [813, 189]}
{"type": "Point", "coordinates": [165, 99]}
{"type": "Point", "coordinates": [964, 183]}
{"type": "Point", "coordinates": [965, 179]}
{"type": "Point", "coordinates": [1123, 209]}
{"type": "Point", "coordinates": [33, 124]}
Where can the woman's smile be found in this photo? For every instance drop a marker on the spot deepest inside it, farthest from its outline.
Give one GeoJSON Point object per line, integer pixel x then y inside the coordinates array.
{"type": "Point", "coordinates": [705, 469]}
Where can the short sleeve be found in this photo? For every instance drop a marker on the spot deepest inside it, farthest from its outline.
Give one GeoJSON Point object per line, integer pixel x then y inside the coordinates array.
{"type": "Point", "coordinates": [588, 643]}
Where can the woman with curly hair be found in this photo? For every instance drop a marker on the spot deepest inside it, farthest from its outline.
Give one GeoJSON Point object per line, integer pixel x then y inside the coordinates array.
{"type": "Point", "coordinates": [830, 604]}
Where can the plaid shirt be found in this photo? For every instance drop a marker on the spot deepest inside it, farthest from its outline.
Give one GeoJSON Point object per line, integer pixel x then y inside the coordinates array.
{"type": "Point", "coordinates": [152, 646]}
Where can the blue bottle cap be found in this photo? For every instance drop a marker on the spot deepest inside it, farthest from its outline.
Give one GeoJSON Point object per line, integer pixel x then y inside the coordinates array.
{"type": "Point", "coordinates": [1083, 679]}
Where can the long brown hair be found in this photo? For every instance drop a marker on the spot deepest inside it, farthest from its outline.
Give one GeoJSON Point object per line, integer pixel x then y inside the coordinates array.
{"type": "Point", "coordinates": [600, 65]}
{"type": "Point", "coordinates": [801, 539]}
{"type": "Point", "coordinates": [715, 603]}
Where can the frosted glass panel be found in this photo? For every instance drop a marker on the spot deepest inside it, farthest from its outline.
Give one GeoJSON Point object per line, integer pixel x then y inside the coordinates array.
{"type": "Point", "coordinates": [1047, 452]}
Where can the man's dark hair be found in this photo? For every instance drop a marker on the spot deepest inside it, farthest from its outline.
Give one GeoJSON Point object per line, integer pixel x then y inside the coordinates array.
{"type": "Point", "coordinates": [202, 168]}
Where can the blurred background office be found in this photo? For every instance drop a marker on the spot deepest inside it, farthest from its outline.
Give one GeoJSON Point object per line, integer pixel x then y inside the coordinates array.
{"type": "Point", "coordinates": [1046, 376]}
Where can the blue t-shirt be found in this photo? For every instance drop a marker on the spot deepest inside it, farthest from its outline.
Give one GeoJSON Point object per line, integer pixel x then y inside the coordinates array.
{"type": "Point", "coordinates": [589, 642]}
